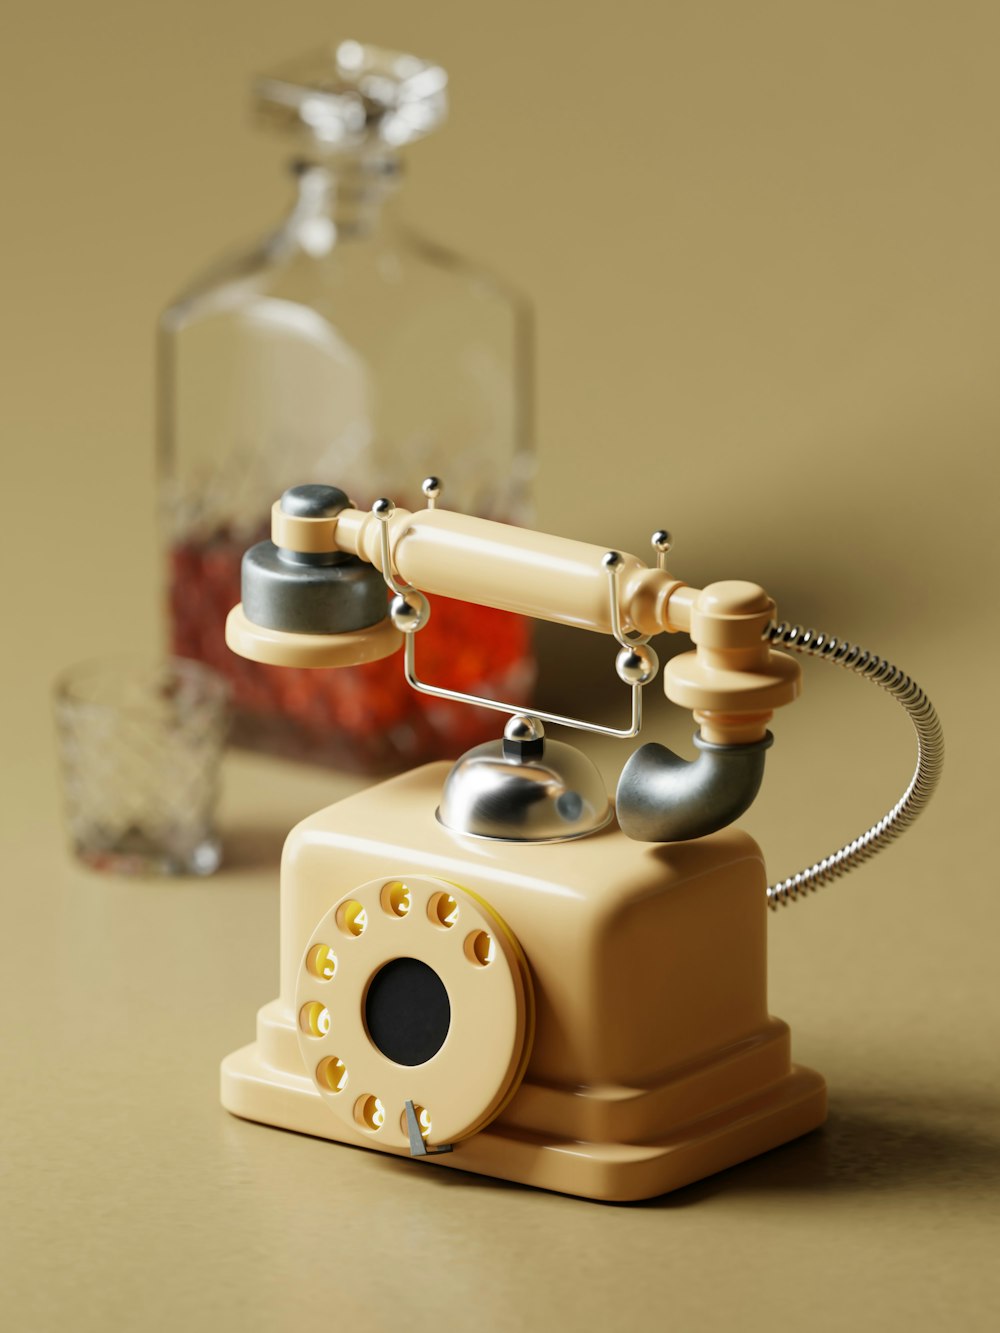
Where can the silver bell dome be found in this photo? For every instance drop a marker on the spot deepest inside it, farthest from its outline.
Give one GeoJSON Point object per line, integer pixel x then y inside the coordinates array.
{"type": "Point", "coordinates": [524, 788]}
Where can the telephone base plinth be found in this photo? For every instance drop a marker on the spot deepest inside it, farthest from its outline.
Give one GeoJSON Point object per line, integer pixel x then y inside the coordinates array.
{"type": "Point", "coordinates": [612, 1172]}
{"type": "Point", "coordinates": [643, 1056]}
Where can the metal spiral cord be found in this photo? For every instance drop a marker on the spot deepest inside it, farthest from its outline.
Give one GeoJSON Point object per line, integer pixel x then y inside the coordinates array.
{"type": "Point", "coordinates": [930, 756]}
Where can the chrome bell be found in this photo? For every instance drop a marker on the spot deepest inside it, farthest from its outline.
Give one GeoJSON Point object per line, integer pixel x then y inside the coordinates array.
{"type": "Point", "coordinates": [524, 789]}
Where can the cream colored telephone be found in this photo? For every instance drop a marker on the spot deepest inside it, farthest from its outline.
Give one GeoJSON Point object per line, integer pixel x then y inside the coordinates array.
{"type": "Point", "coordinates": [490, 965]}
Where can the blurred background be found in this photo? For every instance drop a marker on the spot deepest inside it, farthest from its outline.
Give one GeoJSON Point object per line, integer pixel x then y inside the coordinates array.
{"type": "Point", "coordinates": [762, 245]}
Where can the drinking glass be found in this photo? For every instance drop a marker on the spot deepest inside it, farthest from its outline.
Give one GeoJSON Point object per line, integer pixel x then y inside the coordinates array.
{"type": "Point", "coordinates": [140, 744]}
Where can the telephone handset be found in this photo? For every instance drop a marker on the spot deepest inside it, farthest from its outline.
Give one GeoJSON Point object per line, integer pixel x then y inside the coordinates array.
{"type": "Point", "coordinates": [490, 963]}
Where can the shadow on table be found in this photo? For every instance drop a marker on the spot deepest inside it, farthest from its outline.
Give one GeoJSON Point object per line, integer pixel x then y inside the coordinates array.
{"type": "Point", "coordinates": [872, 1145]}
{"type": "Point", "coordinates": [869, 1145]}
{"type": "Point", "coordinates": [253, 846]}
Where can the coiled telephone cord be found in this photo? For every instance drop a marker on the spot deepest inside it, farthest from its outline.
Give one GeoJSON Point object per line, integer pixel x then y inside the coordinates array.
{"type": "Point", "coordinates": [930, 756]}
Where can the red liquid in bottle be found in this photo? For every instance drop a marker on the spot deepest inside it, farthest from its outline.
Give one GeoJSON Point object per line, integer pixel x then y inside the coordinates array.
{"type": "Point", "coordinates": [364, 718]}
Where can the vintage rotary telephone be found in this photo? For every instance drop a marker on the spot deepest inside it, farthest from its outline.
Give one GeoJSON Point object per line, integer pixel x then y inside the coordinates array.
{"type": "Point", "coordinates": [488, 964]}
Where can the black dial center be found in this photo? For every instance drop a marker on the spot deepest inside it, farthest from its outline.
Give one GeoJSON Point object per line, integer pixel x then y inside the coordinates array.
{"type": "Point", "coordinates": [407, 1011]}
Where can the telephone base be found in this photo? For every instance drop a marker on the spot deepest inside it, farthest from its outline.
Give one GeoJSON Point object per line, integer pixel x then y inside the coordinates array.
{"type": "Point", "coordinates": [613, 1172]}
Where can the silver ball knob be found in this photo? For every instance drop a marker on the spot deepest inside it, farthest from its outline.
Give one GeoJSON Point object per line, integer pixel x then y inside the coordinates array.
{"type": "Point", "coordinates": [383, 509]}
{"type": "Point", "coordinates": [612, 560]}
{"type": "Point", "coordinates": [431, 487]}
{"type": "Point", "coordinates": [410, 613]}
{"type": "Point", "coordinates": [637, 665]}
{"type": "Point", "coordinates": [661, 541]}
{"type": "Point", "coordinates": [522, 727]}
{"type": "Point", "coordinates": [523, 739]}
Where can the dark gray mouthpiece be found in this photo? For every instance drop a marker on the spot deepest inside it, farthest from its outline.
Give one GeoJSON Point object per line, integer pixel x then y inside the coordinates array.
{"type": "Point", "coordinates": [311, 592]}
{"type": "Point", "coordinates": [664, 798]}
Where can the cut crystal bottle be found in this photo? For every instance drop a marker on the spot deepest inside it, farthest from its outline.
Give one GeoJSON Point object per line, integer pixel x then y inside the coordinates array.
{"type": "Point", "coordinates": [343, 349]}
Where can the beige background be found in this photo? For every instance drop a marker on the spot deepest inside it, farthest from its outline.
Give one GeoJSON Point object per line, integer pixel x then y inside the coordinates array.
{"type": "Point", "coordinates": [762, 239]}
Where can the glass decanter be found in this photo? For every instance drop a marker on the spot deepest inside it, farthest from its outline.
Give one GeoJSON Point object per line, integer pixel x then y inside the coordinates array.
{"type": "Point", "coordinates": [343, 349]}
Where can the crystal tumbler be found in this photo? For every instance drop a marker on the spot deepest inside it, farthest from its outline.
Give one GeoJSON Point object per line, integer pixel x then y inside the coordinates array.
{"type": "Point", "coordinates": [140, 745]}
